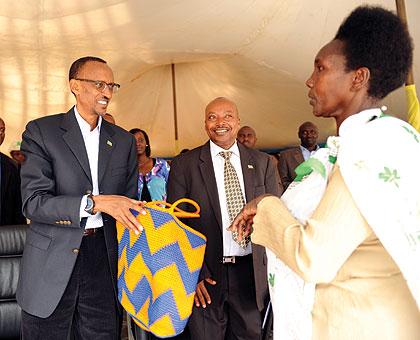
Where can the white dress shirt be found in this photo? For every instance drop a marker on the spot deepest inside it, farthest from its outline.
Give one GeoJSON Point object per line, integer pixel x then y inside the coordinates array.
{"type": "Point", "coordinates": [230, 247]}
{"type": "Point", "coordinates": [306, 153]}
{"type": "Point", "coordinates": [91, 140]}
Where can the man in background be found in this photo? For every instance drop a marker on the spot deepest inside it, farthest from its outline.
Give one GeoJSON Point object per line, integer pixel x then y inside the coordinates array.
{"type": "Point", "coordinates": [16, 154]}
{"type": "Point", "coordinates": [289, 159]}
{"type": "Point", "coordinates": [247, 136]}
{"type": "Point", "coordinates": [10, 198]}
{"type": "Point", "coordinates": [109, 118]}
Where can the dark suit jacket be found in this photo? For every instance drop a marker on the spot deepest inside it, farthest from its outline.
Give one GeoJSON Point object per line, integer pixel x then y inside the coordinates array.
{"type": "Point", "coordinates": [55, 176]}
{"type": "Point", "coordinates": [192, 176]}
{"type": "Point", "coordinates": [288, 161]}
{"type": "Point", "coordinates": [11, 200]}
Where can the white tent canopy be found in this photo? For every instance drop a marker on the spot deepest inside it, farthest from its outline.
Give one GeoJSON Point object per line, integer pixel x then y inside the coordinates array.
{"type": "Point", "coordinates": [258, 53]}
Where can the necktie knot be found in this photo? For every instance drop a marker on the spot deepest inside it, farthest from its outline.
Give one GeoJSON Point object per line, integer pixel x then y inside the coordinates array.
{"type": "Point", "coordinates": [225, 154]}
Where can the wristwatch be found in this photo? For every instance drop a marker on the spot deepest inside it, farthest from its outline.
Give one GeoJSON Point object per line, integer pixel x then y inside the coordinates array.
{"type": "Point", "coordinates": [90, 204]}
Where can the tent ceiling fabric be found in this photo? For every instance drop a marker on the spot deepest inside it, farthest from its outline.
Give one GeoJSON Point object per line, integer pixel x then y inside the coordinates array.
{"type": "Point", "coordinates": [258, 53]}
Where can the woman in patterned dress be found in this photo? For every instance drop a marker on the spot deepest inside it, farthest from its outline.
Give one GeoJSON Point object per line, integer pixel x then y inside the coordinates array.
{"type": "Point", "coordinates": [360, 245]}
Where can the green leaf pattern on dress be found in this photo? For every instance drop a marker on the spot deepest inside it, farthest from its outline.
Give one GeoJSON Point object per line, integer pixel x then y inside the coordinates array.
{"type": "Point", "coordinates": [389, 175]}
{"type": "Point", "coordinates": [413, 133]}
{"type": "Point", "coordinates": [271, 277]}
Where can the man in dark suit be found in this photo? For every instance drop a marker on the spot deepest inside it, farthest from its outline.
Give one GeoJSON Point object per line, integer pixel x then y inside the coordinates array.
{"type": "Point", "coordinates": [77, 172]}
{"type": "Point", "coordinates": [289, 159]}
{"type": "Point", "coordinates": [10, 198]}
{"type": "Point", "coordinates": [232, 289]}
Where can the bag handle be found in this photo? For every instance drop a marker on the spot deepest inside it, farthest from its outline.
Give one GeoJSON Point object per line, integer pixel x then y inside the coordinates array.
{"type": "Point", "coordinates": [173, 208]}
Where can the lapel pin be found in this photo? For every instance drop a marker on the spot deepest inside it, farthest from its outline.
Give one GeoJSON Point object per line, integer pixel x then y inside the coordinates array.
{"type": "Point", "coordinates": [108, 142]}
{"type": "Point", "coordinates": [250, 166]}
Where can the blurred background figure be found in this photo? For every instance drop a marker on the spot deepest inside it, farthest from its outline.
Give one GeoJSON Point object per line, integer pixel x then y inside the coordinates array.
{"type": "Point", "coordinates": [412, 104]}
{"type": "Point", "coordinates": [289, 159]}
{"type": "Point", "coordinates": [184, 151]}
{"type": "Point", "coordinates": [247, 136]}
{"type": "Point", "coordinates": [16, 154]}
{"type": "Point", "coordinates": [153, 172]}
{"type": "Point", "coordinates": [10, 197]}
{"type": "Point", "coordinates": [109, 118]}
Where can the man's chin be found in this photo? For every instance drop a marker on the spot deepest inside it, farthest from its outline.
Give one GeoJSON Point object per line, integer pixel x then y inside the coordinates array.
{"type": "Point", "coordinates": [101, 113]}
{"type": "Point", "coordinates": [224, 143]}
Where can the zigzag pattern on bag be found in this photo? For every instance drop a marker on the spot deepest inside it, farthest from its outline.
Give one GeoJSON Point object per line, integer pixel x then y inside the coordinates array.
{"type": "Point", "coordinates": [158, 271]}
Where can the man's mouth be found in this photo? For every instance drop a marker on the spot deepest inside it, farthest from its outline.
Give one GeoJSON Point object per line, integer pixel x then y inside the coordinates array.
{"type": "Point", "coordinates": [221, 131]}
{"type": "Point", "coordinates": [103, 102]}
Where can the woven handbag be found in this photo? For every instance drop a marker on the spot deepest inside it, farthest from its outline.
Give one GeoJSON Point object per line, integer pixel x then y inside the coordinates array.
{"type": "Point", "coordinates": [158, 270]}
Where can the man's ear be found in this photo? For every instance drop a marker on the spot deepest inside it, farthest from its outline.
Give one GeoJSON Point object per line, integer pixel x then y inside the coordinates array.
{"type": "Point", "coordinates": [361, 78]}
{"type": "Point", "coordinates": [74, 86]}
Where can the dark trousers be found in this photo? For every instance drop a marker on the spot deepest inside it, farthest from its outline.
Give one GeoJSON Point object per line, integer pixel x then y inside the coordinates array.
{"type": "Point", "coordinates": [233, 313]}
{"type": "Point", "coordinates": [88, 308]}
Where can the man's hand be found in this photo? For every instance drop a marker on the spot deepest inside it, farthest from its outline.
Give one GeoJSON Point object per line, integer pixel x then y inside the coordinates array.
{"type": "Point", "coordinates": [119, 208]}
{"type": "Point", "coordinates": [202, 296]}
{"type": "Point", "coordinates": [245, 219]}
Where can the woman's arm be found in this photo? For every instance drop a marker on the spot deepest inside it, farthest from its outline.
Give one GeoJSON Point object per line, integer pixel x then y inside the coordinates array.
{"type": "Point", "coordinates": [317, 250]}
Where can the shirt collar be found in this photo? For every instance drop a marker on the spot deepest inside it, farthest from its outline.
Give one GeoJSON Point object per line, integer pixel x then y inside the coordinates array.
{"type": "Point", "coordinates": [358, 120]}
{"type": "Point", "coordinates": [215, 149]}
{"type": "Point", "coordinates": [306, 150]}
{"type": "Point", "coordinates": [84, 125]}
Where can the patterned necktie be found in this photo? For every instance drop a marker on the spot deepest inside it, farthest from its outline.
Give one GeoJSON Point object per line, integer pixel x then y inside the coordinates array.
{"type": "Point", "coordinates": [234, 198]}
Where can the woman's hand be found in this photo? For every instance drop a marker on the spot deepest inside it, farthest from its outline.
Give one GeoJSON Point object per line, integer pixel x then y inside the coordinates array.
{"type": "Point", "coordinates": [245, 219]}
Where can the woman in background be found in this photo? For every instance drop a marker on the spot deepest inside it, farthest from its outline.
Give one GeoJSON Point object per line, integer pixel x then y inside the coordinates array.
{"type": "Point", "coordinates": [153, 172]}
{"type": "Point", "coordinates": [153, 176]}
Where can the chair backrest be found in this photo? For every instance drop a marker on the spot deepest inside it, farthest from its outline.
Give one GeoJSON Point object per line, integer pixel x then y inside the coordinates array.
{"type": "Point", "coordinates": [12, 241]}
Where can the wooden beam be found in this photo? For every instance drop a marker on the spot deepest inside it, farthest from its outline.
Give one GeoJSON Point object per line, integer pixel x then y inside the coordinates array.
{"type": "Point", "coordinates": [403, 16]}
{"type": "Point", "coordinates": [175, 108]}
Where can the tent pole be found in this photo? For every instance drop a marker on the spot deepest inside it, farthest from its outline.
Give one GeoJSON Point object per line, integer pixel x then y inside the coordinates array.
{"type": "Point", "coordinates": [175, 109]}
{"type": "Point", "coordinates": [403, 16]}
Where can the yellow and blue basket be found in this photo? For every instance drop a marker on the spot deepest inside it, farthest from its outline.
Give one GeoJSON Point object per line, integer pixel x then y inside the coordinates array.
{"type": "Point", "coordinates": [158, 270]}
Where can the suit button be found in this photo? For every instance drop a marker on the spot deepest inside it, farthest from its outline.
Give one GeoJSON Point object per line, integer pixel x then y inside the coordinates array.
{"type": "Point", "coordinates": [75, 250]}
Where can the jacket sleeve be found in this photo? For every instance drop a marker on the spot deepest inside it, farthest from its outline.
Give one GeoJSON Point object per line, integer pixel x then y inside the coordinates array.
{"type": "Point", "coordinates": [133, 173]}
{"type": "Point", "coordinates": [178, 188]}
{"type": "Point", "coordinates": [19, 218]}
{"type": "Point", "coordinates": [283, 171]}
{"type": "Point", "coordinates": [273, 184]}
{"type": "Point", "coordinates": [40, 204]}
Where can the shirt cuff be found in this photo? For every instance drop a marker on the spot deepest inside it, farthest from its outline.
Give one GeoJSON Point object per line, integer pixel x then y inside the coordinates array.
{"type": "Point", "coordinates": [82, 211]}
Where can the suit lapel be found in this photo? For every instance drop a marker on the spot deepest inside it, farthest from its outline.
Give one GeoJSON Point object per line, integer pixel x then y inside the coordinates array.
{"type": "Point", "coordinates": [298, 156]}
{"type": "Point", "coordinates": [74, 140]}
{"type": "Point", "coordinates": [248, 171]}
{"type": "Point", "coordinates": [209, 179]}
{"type": "Point", "coordinates": [106, 146]}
